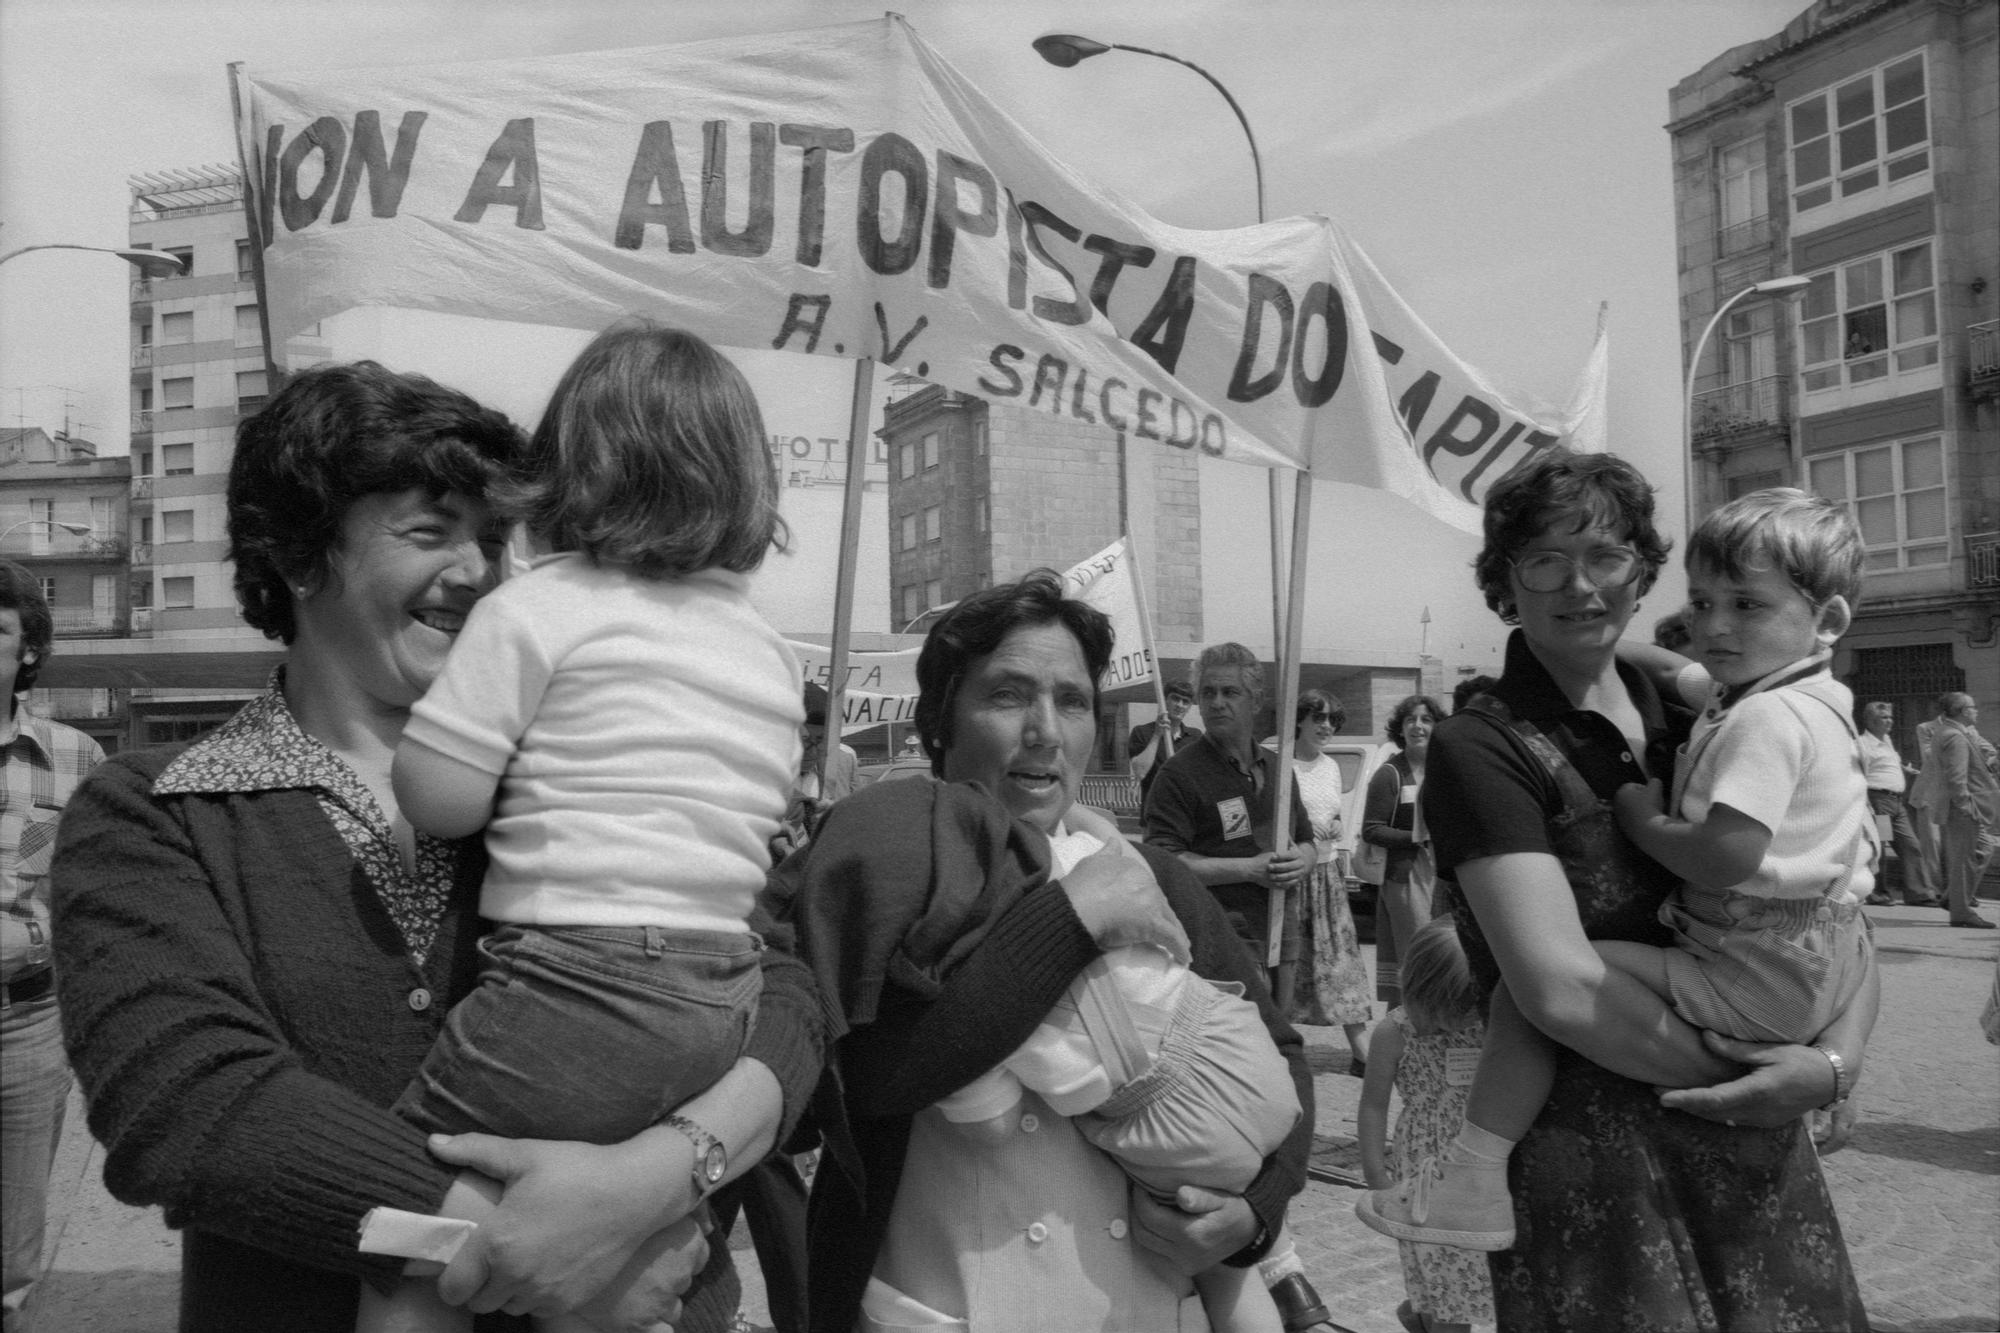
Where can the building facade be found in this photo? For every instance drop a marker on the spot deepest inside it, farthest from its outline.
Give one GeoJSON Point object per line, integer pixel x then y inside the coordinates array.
{"type": "Point", "coordinates": [982, 492]}
{"type": "Point", "coordinates": [64, 516]}
{"type": "Point", "coordinates": [1859, 148]}
{"type": "Point", "coordinates": [198, 365]}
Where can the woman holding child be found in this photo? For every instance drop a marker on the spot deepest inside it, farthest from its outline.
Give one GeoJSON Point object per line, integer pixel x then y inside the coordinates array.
{"type": "Point", "coordinates": [257, 950]}
{"type": "Point", "coordinates": [946, 921]}
{"type": "Point", "coordinates": [1703, 1198]}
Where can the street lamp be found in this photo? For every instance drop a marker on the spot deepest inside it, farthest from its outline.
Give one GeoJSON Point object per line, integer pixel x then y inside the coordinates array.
{"type": "Point", "coordinates": [1788, 285]}
{"type": "Point", "coordinates": [73, 529]}
{"type": "Point", "coordinates": [1064, 50]}
{"type": "Point", "coordinates": [150, 263]}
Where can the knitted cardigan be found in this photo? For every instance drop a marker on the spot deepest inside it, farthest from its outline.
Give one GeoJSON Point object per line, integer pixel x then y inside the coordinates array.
{"type": "Point", "coordinates": [927, 1011]}
{"type": "Point", "coordinates": [241, 1013]}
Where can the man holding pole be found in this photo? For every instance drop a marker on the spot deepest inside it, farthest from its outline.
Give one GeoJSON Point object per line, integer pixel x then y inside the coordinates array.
{"type": "Point", "coordinates": [1211, 805]}
{"type": "Point", "coordinates": [1151, 744]}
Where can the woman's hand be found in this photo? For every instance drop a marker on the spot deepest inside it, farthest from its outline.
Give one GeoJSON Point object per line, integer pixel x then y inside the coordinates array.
{"type": "Point", "coordinates": [1197, 1232]}
{"type": "Point", "coordinates": [1781, 1084]}
{"type": "Point", "coordinates": [1113, 893]}
{"type": "Point", "coordinates": [646, 1293]}
{"type": "Point", "coordinates": [570, 1218]}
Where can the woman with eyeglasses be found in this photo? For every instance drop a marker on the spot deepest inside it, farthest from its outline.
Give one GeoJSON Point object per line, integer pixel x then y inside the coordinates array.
{"type": "Point", "coordinates": [1686, 1152]}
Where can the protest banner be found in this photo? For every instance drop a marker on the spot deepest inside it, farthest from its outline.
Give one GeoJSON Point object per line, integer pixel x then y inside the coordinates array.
{"type": "Point", "coordinates": [844, 191]}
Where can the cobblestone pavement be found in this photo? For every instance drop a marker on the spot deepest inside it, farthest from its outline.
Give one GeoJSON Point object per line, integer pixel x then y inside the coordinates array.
{"type": "Point", "coordinates": [1918, 1192]}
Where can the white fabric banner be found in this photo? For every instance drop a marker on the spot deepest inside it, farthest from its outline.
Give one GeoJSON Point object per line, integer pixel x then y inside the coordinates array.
{"type": "Point", "coordinates": [881, 687]}
{"type": "Point", "coordinates": [1105, 582]}
{"type": "Point", "coordinates": [844, 191]}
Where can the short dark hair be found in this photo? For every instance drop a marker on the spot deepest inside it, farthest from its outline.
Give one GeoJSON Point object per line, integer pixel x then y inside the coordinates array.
{"type": "Point", "coordinates": [330, 436]}
{"type": "Point", "coordinates": [1405, 707]}
{"type": "Point", "coordinates": [1557, 486]}
{"type": "Point", "coordinates": [1312, 703]}
{"type": "Point", "coordinates": [1464, 692]}
{"type": "Point", "coordinates": [975, 628]}
{"type": "Point", "coordinates": [651, 454]}
{"type": "Point", "coordinates": [1180, 689]}
{"type": "Point", "coordinates": [21, 593]}
{"type": "Point", "coordinates": [815, 701]}
{"type": "Point", "coordinates": [1812, 541]}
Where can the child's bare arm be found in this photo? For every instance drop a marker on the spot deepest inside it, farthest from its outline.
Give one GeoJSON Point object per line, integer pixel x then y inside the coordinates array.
{"type": "Point", "coordinates": [1371, 1119]}
{"type": "Point", "coordinates": [442, 796]}
{"type": "Point", "coordinates": [1719, 851]}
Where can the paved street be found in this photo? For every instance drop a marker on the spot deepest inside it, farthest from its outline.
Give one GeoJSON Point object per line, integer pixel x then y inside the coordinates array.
{"type": "Point", "coordinates": [1918, 1192]}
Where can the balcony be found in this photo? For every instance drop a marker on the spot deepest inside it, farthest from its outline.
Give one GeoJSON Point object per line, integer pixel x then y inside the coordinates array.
{"type": "Point", "coordinates": [142, 357]}
{"type": "Point", "coordinates": [142, 487]}
{"type": "Point", "coordinates": [142, 555]}
{"type": "Point", "coordinates": [1737, 409]}
{"type": "Point", "coordinates": [142, 423]}
{"type": "Point", "coordinates": [28, 544]}
{"type": "Point", "coordinates": [84, 622]}
{"type": "Point", "coordinates": [1743, 238]}
{"type": "Point", "coordinates": [1982, 360]}
{"type": "Point", "coordinates": [1982, 560]}
{"type": "Point", "coordinates": [142, 622]}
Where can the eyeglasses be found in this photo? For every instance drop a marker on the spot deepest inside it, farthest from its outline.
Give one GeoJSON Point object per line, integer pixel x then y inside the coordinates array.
{"type": "Point", "coordinates": [1605, 567]}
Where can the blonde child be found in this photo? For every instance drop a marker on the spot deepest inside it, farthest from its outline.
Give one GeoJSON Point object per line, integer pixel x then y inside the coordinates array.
{"type": "Point", "coordinates": [624, 726]}
{"type": "Point", "coordinates": [1426, 1051]}
{"type": "Point", "coordinates": [1174, 1077]}
{"type": "Point", "coordinates": [1770, 832]}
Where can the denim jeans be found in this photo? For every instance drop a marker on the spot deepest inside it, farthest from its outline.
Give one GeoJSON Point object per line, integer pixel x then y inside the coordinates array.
{"type": "Point", "coordinates": [587, 1032]}
{"type": "Point", "coordinates": [34, 1084]}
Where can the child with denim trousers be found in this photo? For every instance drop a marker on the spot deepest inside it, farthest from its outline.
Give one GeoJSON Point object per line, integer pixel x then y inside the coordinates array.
{"type": "Point", "coordinates": [1768, 827]}
{"type": "Point", "coordinates": [624, 725]}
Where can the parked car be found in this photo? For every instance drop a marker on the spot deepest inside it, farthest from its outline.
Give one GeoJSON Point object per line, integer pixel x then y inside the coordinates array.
{"type": "Point", "coordinates": [894, 770]}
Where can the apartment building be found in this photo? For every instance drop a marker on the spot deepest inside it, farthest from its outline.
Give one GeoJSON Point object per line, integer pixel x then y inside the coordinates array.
{"type": "Point", "coordinates": [64, 518]}
{"type": "Point", "coordinates": [198, 365]}
{"type": "Point", "coordinates": [1859, 148]}
{"type": "Point", "coordinates": [982, 492]}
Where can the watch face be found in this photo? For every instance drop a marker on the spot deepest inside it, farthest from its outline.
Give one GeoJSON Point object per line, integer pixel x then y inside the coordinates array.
{"type": "Point", "coordinates": [714, 1163]}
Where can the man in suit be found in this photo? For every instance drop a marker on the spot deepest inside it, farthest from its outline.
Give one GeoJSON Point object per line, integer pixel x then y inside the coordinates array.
{"type": "Point", "coordinates": [1143, 746]}
{"type": "Point", "coordinates": [1922, 801]}
{"type": "Point", "coordinates": [1969, 798]}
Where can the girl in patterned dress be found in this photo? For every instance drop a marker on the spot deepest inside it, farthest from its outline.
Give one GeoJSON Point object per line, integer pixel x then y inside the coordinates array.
{"type": "Point", "coordinates": [1427, 1051]}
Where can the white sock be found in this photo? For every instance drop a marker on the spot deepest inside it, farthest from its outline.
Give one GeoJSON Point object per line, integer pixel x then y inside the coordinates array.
{"type": "Point", "coordinates": [1480, 1147]}
{"type": "Point", "coordinates": [1281, 1262]}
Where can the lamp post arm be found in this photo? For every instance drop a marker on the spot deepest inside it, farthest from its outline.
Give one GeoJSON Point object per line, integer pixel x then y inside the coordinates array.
{"type": "Point", "coordinates": [55, 245]}
{"type": "Point", "coordinates": [1256, 159]}
{"type": "Point", "coordinates": [1687, 411]}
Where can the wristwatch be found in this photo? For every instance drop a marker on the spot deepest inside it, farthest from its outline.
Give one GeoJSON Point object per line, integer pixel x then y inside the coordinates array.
{"type": "Point", "coordinates": [1843, 1081]}
{"type": "Point", "coordinates": [711, 1159]}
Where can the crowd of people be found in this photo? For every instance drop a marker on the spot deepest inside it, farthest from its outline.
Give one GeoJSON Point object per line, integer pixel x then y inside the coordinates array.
{"type": "Point", "coordinates": [523, 933]}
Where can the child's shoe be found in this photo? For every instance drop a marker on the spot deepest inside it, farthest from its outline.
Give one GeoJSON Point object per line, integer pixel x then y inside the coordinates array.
{"type": "Point", "coordinates": [1445, 1203]}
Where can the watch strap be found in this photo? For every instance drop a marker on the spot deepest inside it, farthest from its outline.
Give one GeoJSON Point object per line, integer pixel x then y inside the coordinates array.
{"type": "Point", "coordinates": [706, 1148]}
{"type": "Point", "coordinates": [1843, 1079]}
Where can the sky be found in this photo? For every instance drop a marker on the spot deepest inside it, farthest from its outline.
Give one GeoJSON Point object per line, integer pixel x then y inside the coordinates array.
{"type": "Point", "coordinates": [1502, 161]}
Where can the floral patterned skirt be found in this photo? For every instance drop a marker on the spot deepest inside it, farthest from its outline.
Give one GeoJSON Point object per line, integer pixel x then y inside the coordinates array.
{"type": "Point", "coordinates": [1332, 984]}
{"type": "Point", "coordinates": [1630, 1216]}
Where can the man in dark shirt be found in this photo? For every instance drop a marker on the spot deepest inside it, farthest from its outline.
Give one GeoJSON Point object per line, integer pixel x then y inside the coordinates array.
{"type": "Point", "coordinates": [1144, 749]}
{"type": "Point", "coordinates": [1211, 805]}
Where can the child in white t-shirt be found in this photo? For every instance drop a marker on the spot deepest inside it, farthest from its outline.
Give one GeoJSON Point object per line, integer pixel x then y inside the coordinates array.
{"type": "Point", "coordinates": [624, 725]}
{"type": "Point", "coordinates": [1770, 831]}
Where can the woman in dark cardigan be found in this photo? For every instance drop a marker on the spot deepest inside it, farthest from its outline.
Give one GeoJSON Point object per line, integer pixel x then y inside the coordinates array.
{"type": "Point", "coordinates": [255, 951]}
{"type": "Point", "coordinates": [928, 914]}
